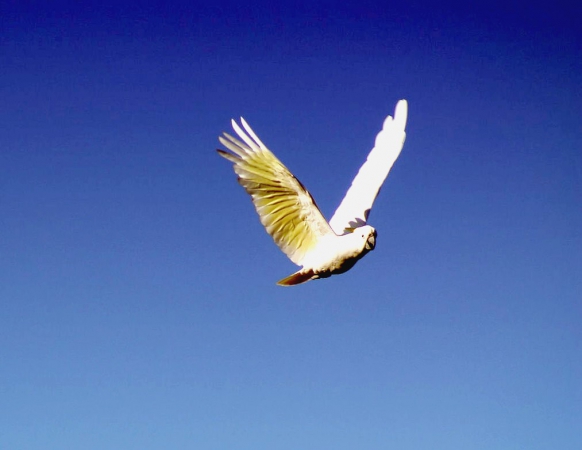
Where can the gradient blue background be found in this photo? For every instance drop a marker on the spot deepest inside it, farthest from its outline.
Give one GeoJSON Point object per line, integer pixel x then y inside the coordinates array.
{"type": "Point", "coordinates": [138, 305]}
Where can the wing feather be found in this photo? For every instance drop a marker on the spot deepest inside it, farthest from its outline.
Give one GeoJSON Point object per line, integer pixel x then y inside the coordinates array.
{"type": "Point", "coordinates": [285, 207]}
{"type": "Point", "coordinates": [355, 207]}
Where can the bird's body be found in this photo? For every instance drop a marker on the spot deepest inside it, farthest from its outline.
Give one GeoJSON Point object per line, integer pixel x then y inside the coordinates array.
{"type": "Point", "coordinates": [334, 255]}
{"type": "Point", "coordinates": [291, 216]}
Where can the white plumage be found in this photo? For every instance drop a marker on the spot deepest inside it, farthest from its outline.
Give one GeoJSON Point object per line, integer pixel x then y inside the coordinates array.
{"type": "Point", "coordinates": [289, 213]}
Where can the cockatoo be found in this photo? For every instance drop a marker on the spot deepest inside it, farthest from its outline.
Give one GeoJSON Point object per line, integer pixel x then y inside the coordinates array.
{"type": "Point", "coordinates": [289, 213]}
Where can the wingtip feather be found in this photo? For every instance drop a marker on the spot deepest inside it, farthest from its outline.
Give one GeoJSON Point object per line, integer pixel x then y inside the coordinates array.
{"type": "Point", "coordinates": [401, 114]}
{"type": "Point", "coordinates": [252, 134]}
{"type": "Point", "coordinates": [229, 156]}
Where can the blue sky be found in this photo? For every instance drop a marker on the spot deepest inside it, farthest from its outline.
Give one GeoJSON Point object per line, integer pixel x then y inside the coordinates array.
{"type": "Point", "coordinates": [138, 300]}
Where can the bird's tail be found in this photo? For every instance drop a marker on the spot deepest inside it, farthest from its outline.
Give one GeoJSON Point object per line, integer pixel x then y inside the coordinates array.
{"type": "Point", "coordinates": [297, 278]}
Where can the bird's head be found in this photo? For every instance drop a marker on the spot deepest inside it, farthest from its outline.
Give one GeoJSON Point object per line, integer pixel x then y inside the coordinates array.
{"type": "Point", "coordinates": [368, 235]}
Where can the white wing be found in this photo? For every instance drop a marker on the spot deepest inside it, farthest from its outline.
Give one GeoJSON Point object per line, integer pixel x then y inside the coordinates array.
{"type": "Point", "coordinates": [285, 207]}
{"type": "Point", "coordinates": [355, 207]}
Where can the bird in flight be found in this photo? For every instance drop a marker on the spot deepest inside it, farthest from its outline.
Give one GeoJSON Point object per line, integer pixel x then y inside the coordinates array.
{"type": "Point", "coordinates": [289, 213]}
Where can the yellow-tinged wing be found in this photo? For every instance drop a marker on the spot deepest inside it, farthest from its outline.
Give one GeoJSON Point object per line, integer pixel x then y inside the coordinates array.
{"type": "Point", "coordinates": [285, 207]}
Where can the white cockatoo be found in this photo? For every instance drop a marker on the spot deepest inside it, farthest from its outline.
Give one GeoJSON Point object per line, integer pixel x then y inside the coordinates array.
{"type": "Point", "coordinates": [289, 213]}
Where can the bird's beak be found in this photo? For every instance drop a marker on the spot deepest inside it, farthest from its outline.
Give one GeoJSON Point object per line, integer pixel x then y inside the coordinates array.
{"type": "Point", "coordinates": [371, 242]}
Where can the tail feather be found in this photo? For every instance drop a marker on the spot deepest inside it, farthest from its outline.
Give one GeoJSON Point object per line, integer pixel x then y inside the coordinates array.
{"type": "Point", "coordinates": [297, 278]}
